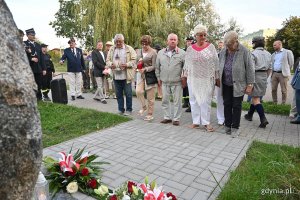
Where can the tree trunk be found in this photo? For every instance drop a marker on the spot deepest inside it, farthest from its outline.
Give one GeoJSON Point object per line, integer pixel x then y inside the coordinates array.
{"type": "Point", "coordinates": [20, 127]}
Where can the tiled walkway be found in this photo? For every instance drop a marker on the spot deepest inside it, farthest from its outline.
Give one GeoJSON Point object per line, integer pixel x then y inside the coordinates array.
{"type": "Point", "coordinates": [185, 161]}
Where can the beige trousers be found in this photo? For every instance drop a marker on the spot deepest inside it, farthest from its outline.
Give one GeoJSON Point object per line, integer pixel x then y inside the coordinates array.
{"type": "Point", "coordinates": [278, 78]}
{"type": "Point", "coordinates": [140, 90]}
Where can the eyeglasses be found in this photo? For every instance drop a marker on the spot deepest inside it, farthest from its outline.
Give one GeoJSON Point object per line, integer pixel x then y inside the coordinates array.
{"type": "Point", "coordinates": [201, 35]}
{"type": "Point", "coordinates": [144, 43]}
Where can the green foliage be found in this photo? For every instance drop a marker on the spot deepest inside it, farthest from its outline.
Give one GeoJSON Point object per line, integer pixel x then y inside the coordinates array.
{"type": "Point", "coordinates": [265, 167]}
{"type": "Point", "coordinates": [93, 20]}
{"type": "Point", "coordinates": [62, 122]}
{"type": "Point", "coordinates": [289, 35]}
{"type": "Point", "coordinates": [269, 107]}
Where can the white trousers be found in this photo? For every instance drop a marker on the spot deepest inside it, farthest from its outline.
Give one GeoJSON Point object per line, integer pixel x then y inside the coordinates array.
{"type": "Point", "coordinates": [176, 92]}
{"type": "Point", "coordinates": [75, 83]}
{"type": "Point", "coordinates": [220, 105]}
{"type": "Point", "coordinates": [99, 92]}
{"type": "Point", "coordinates": [200, 112]}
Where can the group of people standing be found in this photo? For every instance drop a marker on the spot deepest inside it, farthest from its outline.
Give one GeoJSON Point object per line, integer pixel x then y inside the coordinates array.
{"type": "Point", "coordinates": [199, 70]}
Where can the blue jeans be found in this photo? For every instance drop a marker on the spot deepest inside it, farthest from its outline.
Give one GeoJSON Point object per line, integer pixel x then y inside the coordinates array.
{"type": "Point", "coordinates": [122, 86]}
{"type": "Point", "coordinates": [297, 93]}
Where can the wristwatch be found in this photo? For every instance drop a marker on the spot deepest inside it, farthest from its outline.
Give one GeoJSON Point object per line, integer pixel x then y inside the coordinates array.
{"type": "Point", "coordinates": [250, 85]}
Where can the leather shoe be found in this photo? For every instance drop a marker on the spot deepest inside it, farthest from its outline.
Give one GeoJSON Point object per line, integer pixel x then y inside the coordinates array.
{"type": "Point", "coordinates": [176, 123]}
{"type": "Point", "coordinates": [96, 99]}
{"type": "Point", "coordinates": [188, 109]}
{"type": "Point", "coordinates": [248, 117]}
{"type": "Point", "coordinates": [80, 97]}
{"type": "Point", "coordinates": [295, 121]}
{"type": "Point", "coordinates": [104, 102]}
{"type": "Point", "coordinates": [166, 121]}
{"type": "Point", "coordinates": [73, 98]}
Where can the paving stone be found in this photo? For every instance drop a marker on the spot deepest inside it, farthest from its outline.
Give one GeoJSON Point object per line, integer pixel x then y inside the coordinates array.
{"type": "Point", "coordinates": [189, 193]}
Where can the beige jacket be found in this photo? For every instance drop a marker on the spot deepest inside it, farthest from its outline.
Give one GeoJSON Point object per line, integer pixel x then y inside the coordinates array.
{"type": "Point", "coordinates": [130, 61]}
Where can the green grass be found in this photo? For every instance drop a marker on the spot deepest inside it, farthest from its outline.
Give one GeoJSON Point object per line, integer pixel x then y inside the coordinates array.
{"type": "Point", "coordinates": [63, 122]}
{"type": "Point", "coordinates": [266, 168]}
{"type": "Point", "coordinates": [269, 107]}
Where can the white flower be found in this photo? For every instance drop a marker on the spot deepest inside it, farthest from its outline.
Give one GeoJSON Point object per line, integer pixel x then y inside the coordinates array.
{"type": "Point", "coordinates": [102, 190]}
{"type": "Point", "coordinates": [72, 187]}
{"type": "Point", "coordinates": [126, 197]}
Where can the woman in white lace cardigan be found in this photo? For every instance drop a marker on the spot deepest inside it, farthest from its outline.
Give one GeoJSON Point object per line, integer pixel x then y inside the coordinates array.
{"type": "Point", "coordinates": [201, 70]}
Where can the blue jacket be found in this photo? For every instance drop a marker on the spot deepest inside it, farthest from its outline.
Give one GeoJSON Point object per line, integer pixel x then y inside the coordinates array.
{"type": "Point", "coordinates": [296, 79]}
{"type": "Point", "coordinates": [75, 63]}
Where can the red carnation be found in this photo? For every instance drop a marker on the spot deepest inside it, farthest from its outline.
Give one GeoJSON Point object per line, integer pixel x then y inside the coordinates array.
{"type": "Point", "coordinates": [129, 186]}
{"type": "Point", "coordinates": [70, 173]}
{"type": "Point", "coordinates": [169, 194]}
{"type": "Point", "coordinates": [114, 197]}
{"type": "Point", "coordinates": [85, 171]}
{"type": "Point", "coordinates": [92, 183]}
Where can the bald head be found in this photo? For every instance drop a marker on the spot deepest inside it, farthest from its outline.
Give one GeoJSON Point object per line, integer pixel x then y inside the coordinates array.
{"type": "Point", "coordinates": [277, 45]}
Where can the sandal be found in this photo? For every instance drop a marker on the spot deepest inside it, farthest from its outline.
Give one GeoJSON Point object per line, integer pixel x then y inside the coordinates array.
{"type": "Point", "coordinates": [194, 126]}
{"type": "Point", "coordinates": [141, 112]}
{"type": "Point", "coordinates": [148, 118]}
{"type": "Point", "coordinates": [209, 128]}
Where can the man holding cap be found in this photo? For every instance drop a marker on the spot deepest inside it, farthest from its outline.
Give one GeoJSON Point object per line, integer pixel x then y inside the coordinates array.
{"type": "Point", "coordinates": [36, 61]}
{"type": "Point", "coordinates": [75, 67]}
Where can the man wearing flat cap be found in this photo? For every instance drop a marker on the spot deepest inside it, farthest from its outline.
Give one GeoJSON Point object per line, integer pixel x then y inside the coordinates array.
{"type": "Point", "coordinates": [49, 73]}
{"type": "Point", "coordinates": [75, 67]}
{"type": "Point", "coordinates": [36, 61]}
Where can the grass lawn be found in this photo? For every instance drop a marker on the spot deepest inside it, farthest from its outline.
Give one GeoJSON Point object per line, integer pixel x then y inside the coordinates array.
{"type": "Point", "coordinates": [267, 172]}
{"type": "Point", "coordinates": [269, 107]}
{"type": "Point", "coordinates": [63, 122]}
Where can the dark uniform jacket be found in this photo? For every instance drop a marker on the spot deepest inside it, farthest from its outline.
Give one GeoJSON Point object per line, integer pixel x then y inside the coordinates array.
{"type": "Point", "coordinates": [75, 63]}
{"type": "Point", "coordinates": [36, 52]}
{"type": "Point", "coordinates": [48, 63]}
{"type": "Point", "coordinates": [98, 62]}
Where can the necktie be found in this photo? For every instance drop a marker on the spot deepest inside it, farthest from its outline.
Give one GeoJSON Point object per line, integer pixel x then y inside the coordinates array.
{"type": "Point", "coordinates": [73, 52]}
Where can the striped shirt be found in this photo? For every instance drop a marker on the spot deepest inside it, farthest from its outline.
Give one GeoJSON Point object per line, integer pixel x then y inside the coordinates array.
{"type": "Point", "coordinates": [262, 59]}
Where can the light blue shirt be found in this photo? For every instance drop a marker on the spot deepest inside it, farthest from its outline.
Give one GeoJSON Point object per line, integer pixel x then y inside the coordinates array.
{"type": "Point", "coordinates": [278, 60]}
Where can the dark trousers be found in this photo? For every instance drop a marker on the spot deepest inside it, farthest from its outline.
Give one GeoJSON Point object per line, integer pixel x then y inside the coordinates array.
{"type": "Point", "coordinates": [46, 83]}
{"type": "Point", "coordinates": [86, 80]}
{"type": "Point", "coordinates": [185, 94]}
{"type": "Point", "coordinates": [232, 107]}
{"type": "Point", "coordinates": [38, 81]}
{"type": "Point", "coordinates": [122, 86]}
{"type": "Point", "coordinates": [298, 103]}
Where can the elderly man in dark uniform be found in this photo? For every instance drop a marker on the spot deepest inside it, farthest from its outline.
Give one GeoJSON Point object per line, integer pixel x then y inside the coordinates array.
{"type": "Point", "coordinates": [36, 60]}
{"type": "Point", "coordinates": [263, 68]}
{"type": "Point", "coordinates": [49, 73]}
{"type": "Point", "coordinates": [75, 68]}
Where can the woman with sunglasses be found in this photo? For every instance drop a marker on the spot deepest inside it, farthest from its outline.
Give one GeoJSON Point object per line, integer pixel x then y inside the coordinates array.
{"type": "Point", "coordinates": [201, 70]}
{"type": "Point", "coordinates": [146, 79]}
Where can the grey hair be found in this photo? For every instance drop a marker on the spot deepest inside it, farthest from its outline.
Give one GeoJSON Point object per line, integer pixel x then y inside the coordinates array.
{"type": "Point", "coordinates": [118, 36]}
{"type": "Point", "coordinates": [171, 35]}
{"type": "Point", "coordinates": [229, 36]}
{"type": "Point", "coordinates": [200, 29]}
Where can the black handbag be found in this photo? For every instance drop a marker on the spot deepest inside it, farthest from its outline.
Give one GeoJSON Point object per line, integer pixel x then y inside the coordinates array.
{"type": "Point", "coordinates": [150, 76]}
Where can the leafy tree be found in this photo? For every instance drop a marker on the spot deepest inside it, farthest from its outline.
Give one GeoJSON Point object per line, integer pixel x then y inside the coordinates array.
{"type": "Point", "coordinates": [289, 35]}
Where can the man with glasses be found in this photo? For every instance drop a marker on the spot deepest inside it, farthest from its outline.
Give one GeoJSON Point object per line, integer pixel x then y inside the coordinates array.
{"type": "Point", "coordinates": [121, 58]}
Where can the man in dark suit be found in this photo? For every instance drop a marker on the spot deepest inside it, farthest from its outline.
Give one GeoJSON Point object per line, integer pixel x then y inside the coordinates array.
{"type": "Point", "coordinates": [98, 58]}
{"type": "Point", "coordinates": [75, 67]}
{"type": "Point", "coordinates": [36, 61]}
{"type": "Point", "coordinates": [49, 72]}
